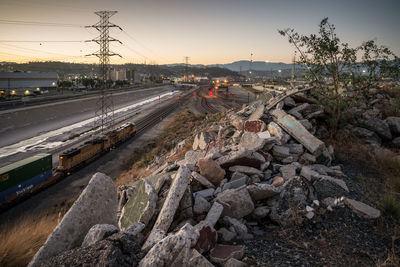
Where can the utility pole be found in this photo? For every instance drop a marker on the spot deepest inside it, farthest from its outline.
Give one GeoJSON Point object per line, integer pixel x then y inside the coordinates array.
{"type": "Point", "coordinates": [186, 68]}
{"type": "Point", "coordinates": [104, 114]}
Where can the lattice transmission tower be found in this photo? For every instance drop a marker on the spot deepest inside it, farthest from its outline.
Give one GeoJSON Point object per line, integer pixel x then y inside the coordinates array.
{"type": "Point", "coordinates": [104, 114]}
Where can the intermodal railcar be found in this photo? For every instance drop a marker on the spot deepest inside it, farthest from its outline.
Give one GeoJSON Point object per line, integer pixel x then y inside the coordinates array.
{"type": "Point", "coordinates": [29, 175]}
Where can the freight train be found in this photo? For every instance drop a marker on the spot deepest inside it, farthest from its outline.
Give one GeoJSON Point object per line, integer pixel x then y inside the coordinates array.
{"type": "Point", "coordinates": [24, 177]}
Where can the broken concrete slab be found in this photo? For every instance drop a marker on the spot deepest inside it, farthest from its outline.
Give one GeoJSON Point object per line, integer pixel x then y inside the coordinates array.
{"type": "Point", "coordinates": [258, 113]}
{"type": "Point", "coordinates": [173, 250]}
{"type": "Point", "coordinates": [140, 207]}
{"type": "Point", "coordinates": [202, 180]}
{"type": "Point", "coordinates": [201, 205]}
{"type": "Point", "coordinates": [237, 202]}
{"type": "Point", "coordinates": [245, 169]}
{"type": "Point", "coordinates": [275, 130]}
{"type": "Point", "coordinates": [158, 180]}
{"type": "Point", "coordinates": [198, 260]}
{"type": "Point", "coordinates": [362, 209]}
{"type": "Point", "coordinates": [222, 253]}
{"type": "Point", "coordinates": [211, 170]}
{"type": "Point", "coordinates": [175, 194]}
{"type": "Point", "coordinates": [298, 131]}
{"type": "Point", "coordinates": [214, 214]}
{"type": "Point", "coordinates": [97, 204]}
{"type": "Point", "coordinates": [242, 157]}
{"type": "Point", "coordinates": [201, 140]}
{"type": "Point", "coordinates": [260, 191]}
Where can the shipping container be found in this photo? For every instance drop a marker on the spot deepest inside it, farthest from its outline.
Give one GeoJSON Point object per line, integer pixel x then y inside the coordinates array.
{"type": "Point", "coordinates": [23, 176]}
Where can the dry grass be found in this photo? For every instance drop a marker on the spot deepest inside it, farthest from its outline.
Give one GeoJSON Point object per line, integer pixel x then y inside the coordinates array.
{"type": "Point", "coordinates": [383, 189]}
{"type": "Point", "coordinates": [21, 239]}
{"type": "Point", "coordinates": [177, 128]}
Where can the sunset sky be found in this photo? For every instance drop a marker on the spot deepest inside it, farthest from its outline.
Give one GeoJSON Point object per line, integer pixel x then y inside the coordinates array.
{"type": "Point", "coordinates": [207, 31]}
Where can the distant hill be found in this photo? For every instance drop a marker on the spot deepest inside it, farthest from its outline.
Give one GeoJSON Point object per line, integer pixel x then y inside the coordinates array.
{"type": "Point", "coordinates": [256, 65]}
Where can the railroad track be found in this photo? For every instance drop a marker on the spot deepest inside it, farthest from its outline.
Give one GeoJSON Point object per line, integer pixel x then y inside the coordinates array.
{"type": "Point", "coordinates": [154, 117]}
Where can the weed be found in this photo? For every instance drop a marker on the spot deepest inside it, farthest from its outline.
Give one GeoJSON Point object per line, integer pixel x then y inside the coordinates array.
{"type": "Point", "coordinates": [391, 206]}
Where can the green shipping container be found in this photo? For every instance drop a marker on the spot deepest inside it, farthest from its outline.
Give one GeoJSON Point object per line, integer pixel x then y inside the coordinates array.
{"type": "Point", "coordinates": [18, 172]}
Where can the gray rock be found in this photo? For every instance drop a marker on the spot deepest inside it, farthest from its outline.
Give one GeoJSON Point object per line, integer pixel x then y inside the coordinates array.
{"type": "Point", "coordinates": [226, 235]}
{"type": "Point", "coordinates": [141, 206]}
{"type": "Point", "coordinates": [158, 180]}
{"type": "Point", "coordinates": [288, 171]}
{"type": "Point", "coordinates": [289, 102]}
{"type": "Point", "coordinates": [362, 209]}
{"type": "Point", "coordinates": [295, 148]}
{"type": "Point", "coordinates": [394, 125]}
{"type": "Point", "coordinates": [206, 193]}
{"type": "Point", "coordinates": [99, 232]}
{"type": "Point", "coordinates": [307, 159]}
{"type": "Point", "coordinates": [211, 170]}
{"type": "Point", "coordinates": [260, 212]}
{"type": "Point", "coordinates": [173, 250]}
{"type": "Point", "coordinates": [251, 141]}
{"type": "Point", "coordinates": [327, 186]}
{"type": "Point", "coordinates": [280, 152]}
{"type": "Point", "coordinates": [201, 205]}
{"type": "Point", "coordinates": [307, 124]}
{"type": "Point", "coordinates": [237, 202]}
{"type": "Point", "coordinates": [396, 142]}
{"type": "Point", "coordinates": [369, 136]}
{"type": "Point", "coordinates": [239, 228]}
{"type": "Point", "coordinates": [202, 180]}
{"type": "Point", "coordinates": [245, 169]}
{"type": "Point", "coordinates": [308, 173]}
{"type": "Point", "coordinates": [260, 191]}
{"type": "Point", "coordinates": [264, 135]}
{"type": "Point", "coordinates": [234, 184]}
{"type": "Point", "coordinates": [135, 228]}
{"type": "Point", "coordinates": [242, 157]}
{"type": "Point", "coordinates": [238, 175]}
{"type": "Point", "coordinates": [378, 126]}
{"type": "Point", "coordinates": [97, 204]}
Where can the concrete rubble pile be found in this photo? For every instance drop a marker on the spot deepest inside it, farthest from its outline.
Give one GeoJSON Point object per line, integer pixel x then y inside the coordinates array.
{"type": "Point", "coordinates": [253, 167]}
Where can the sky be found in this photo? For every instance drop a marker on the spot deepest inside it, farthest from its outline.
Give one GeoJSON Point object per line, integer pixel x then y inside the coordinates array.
{"type": "Point", "coordinates": [206, 31]}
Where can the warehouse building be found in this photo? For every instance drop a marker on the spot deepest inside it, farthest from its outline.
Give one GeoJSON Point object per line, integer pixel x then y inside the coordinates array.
{"type": "Point", "coordinates": [26, 83]}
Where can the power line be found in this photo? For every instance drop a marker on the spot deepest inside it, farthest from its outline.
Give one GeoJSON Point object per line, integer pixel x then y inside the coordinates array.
{"type": "Point", "coordinates": [42, 41]}
{"type": "Point", "coordinates": [142, 45]}
{"type": "Point", "coordinates": [38, 23]}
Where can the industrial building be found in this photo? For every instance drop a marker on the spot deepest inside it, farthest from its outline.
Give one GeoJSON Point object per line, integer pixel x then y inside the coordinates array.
{"type": "Point", "coordinates": [26, 83]}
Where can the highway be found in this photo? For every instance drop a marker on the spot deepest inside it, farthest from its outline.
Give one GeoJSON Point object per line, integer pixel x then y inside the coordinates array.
{"type": "Point", "coordinates": [41, 128]}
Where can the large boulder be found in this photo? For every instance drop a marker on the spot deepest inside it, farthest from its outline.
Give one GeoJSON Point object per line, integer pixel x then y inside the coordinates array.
{"type": "Point", "coordinates": [211, 170]}
{"type": "Point", "coordinates": [237, 202]}
{"type": "Point", "coordinates": [242, 157]}
{"type": "Point", "coordinates": [97, 204]}
{"type": "Point", "coordinates": [141, 206]}
{"type": "Point", "coordinates": [394, 125]}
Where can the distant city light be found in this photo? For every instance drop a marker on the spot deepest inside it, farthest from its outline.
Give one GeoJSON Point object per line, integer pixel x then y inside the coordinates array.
{"type": "Point", "coordinates": [279, 70]}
